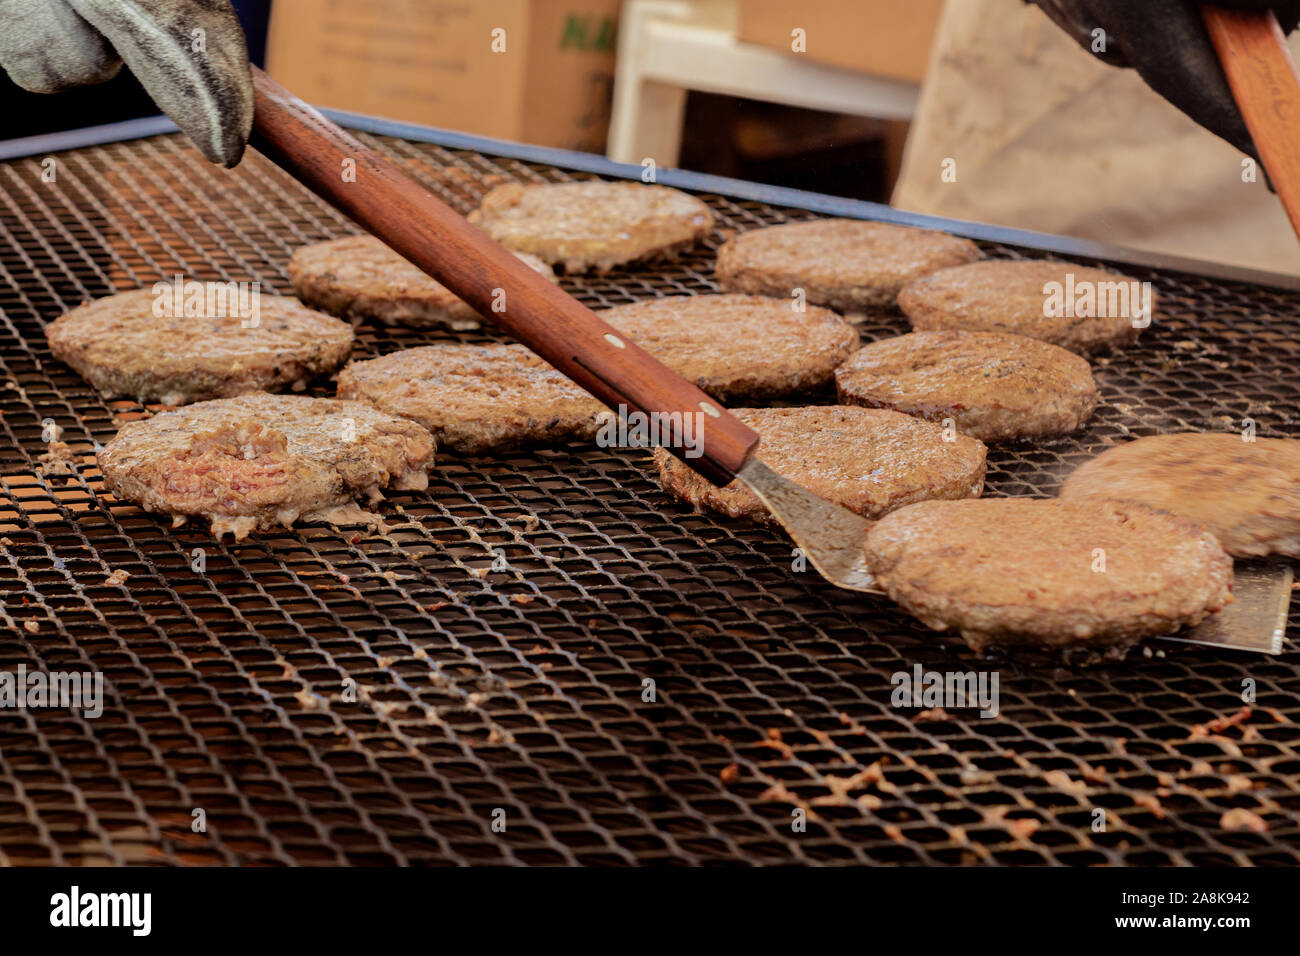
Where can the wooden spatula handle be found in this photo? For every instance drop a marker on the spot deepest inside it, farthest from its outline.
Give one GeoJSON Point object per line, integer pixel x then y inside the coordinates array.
{"type": "Point", "coordinates": [1262, 75]}
{"type": "Point", "coordinates": [429, 233]}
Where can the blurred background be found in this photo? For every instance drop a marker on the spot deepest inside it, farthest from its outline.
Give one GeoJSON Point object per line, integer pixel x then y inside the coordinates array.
{"type": "Point", "coordinates": [980, 110]}
{"type": "Point", "coordinates": [718, 86]}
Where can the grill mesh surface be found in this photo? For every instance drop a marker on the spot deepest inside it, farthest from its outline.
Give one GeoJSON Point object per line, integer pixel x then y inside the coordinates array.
{"type": "Point", "coordinates": [517, 696]}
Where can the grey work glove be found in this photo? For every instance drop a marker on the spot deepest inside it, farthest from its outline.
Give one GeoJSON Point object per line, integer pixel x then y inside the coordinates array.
{"type": "Point", "coordinates": [189, 54]}
{"type": "Point", "coordinates": [1167, 43]}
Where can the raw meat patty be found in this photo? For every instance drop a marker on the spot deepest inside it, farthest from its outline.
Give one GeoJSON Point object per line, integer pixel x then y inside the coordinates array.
{"type": "Point", "coordinates": [993, 387]}
{"type": "Point", "coordinates": [1052, 573]}
{"type": "Point", "coordinates": [869, 460]}
{"type": "Point", "coordinates": [739, 346]}
{"type": "Point", "coordinates": [121, 347]}
{"type": "Point", "coordinates": [259, 460]}
{"type": "Point", "coordinates": [1246, 493]}
{"type": "Point", "coordinates": [592, 225]}
{"type": "Point", "coordinates": [845, 264]}
{"type": "Point", "coordinates": [475, 398]}
{"type": "Point", "coordinates": [361, 278]}
{"type": "Point", "coordinates": [1004, 295]}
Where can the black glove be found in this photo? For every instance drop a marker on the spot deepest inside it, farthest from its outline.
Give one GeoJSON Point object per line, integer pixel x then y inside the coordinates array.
{"type": "Point", "coordinates": [1167, 43]}
{"type": "Point", "coordinates": [189, 54]}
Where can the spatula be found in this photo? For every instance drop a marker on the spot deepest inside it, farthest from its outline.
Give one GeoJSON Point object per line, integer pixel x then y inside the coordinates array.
{"type": "Point", "coordinates": [410, 220]}
{"type": "Point", "coordinates": [572, 338]}
{"type": "Point", "coordinates": [1262, 75]}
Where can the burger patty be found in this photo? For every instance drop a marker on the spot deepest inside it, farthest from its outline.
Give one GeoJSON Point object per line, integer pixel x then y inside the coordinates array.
{"type": "Point", "coordinates": [359, 277]}
{"type": "Point", "coordinates": [1004, 295]}
{"type": "Point", "coordinates": [1058, 574]}
{"type": "Point", "coordinates": [260, 460]}
{"type": "Point", "coordinates": [475, 398]}
{"type": "Point", "coordinates": [480, 398]}
{"type": "Point", "coordinates": [845, 264]}
{"type": "Point", "coordinates": [869, 460]}
{"type": "Point", "coordinates": [739, 346]}
{"type": "Point", "coordinates": [122, 347]}
{"type": "Point", "coordinates": [592, 225]}
{"type": "Point", "coordinates": [1246, 492]}
{"type": "Point", "coordinates": [990, 386]}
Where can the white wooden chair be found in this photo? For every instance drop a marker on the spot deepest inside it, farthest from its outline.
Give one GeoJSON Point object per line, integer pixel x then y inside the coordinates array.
{"type": "Point", "coordinates": [666, 47]}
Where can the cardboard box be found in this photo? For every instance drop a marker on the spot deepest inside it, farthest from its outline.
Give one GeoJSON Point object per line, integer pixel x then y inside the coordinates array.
{"type": "Point", "coordinates": [537, 71]}
{"type": "Point", "coordinates": [886, 37]}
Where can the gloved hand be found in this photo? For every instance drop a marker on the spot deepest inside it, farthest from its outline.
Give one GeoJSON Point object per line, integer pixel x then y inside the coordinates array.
{"type": "Point", "coordinates": [1167, 43]}
{"type": "Point", "coordinates": [189, 54]}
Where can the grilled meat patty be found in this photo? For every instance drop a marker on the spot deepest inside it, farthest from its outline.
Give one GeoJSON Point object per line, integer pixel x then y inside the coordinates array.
{"type": "Point", "coordinates": [480, 398]}
{"type": "Point", "coordinates": [1052, 573]}
{"type": "Point", "coordinates": [122, 347]}
{"type": "Point", "coordinates": [475, 398]}
{"type": "Point", "coordinates": [993, 387]}
{"type": "Point", "coordinates": [592, 225]}
{"type": "Point", "coordinates": [739, 346]}
{"type": "Point", "coordinates": [259, 460]}
{"type": "Point", "coordinates": [359, 277]}
{"type": "Point", "coordinates": [869, 460]}
{"type": "Point", "coordinates": [1004, 295]}
{"type": "Point", "coordinates": [1246, 492]}
{"type": "Point", "coordinates": [845, 264]}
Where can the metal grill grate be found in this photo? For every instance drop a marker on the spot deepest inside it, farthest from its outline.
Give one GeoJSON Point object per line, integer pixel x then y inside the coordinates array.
{"type": "Point", "coordinates": [521, 690]}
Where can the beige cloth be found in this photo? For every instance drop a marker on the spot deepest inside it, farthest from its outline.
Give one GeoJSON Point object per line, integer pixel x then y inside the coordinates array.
{"type": "Point", "coordinates": [1046, 137]}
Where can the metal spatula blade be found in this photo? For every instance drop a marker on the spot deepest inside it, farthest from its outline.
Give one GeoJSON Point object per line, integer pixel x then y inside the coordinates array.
{"type": "Point", "coordinates": [832, 538]}
{"type": "Point", "coordinates": [1256, 619]}
{"type": "Point", "coordinates": [829, 535]}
